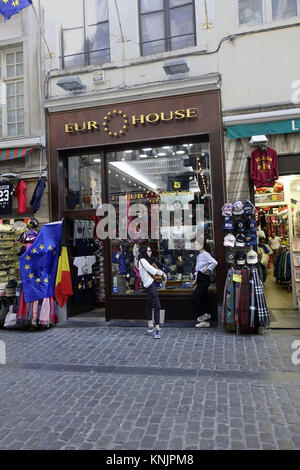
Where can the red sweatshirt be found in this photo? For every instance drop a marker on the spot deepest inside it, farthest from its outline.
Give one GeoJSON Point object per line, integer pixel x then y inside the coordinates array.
{"type": "Point", "coordinates": [20, 193]}
{"type": "Point", "coordinates": [264, 167]}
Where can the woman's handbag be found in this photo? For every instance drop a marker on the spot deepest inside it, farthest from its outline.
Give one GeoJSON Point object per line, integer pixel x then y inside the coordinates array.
{"type": "Point", "coordinates": [156, 277]}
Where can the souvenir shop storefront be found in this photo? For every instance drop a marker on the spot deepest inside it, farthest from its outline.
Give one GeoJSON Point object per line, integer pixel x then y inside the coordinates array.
{"type": "Point", "coordinates": [274, 182]}
{"type": "Point", "coordinates": [160, 152]}
{"type": "Point", "coordinates": [23, 211]}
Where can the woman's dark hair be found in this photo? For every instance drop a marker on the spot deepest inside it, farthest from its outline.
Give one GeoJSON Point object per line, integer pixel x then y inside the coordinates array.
{"type": "Point", "coordinates": [143, 252]}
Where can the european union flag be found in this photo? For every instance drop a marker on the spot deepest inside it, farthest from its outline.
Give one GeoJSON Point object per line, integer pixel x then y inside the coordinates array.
{"type": "Point", "coordinates": [38, 265]}
{"type": "Point", "coordinates": [12, 7]}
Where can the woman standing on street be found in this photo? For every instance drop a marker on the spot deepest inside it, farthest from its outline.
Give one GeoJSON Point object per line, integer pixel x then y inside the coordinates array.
{"type": "Point", "coordinates": [205, 265]}
{"type": "Point", "coordinates": [147, 271]}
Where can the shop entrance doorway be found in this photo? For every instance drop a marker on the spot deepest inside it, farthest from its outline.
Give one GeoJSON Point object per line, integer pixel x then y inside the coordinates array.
{"type": "Point", "coordinates": [278, 211]}
{"type": "Point", "coordinates": [84, 193]}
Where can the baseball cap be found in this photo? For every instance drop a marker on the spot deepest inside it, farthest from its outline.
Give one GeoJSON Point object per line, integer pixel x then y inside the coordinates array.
{"type": "Point", "coordinates": [252, 257]}
{"type": "Point", "coordinates": [227, 209]}
{"type": "Point", "coordinates": [241, 258]}
{"type": "Point", "coordinates": [240, 225]}
{"type": "Point", "coordinates": [240, 239]}
{"type": "Point", "coordinates": [251, 225]}
{"type": "Point", "coordinates": [238, 208]}
{"type": "Point", "coordinates": [228, 225]}
{"type": "Point", "coordinates": [251, 239]}
{"type": "Point", "coordinates": [249, 208]}
{"type": "Point", "coordinates": [229, 240]}
{"type": "Point", "coordinates": [230, 259]}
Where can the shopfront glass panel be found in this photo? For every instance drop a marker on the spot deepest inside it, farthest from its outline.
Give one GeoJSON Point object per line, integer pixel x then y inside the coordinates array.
{"type": "Point", "coordinates": [83, 182]}
{"type": "Point", "coordinates": [165, 181]}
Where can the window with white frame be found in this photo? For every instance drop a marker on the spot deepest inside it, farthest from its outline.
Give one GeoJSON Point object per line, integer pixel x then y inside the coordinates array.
{"type": "Point", "coordinates": [255, 12]}
{"type": "Point", "coordinates": [12, 93]}
{"type": "Point", "coordinates": [284, 9]}
{"type": "Point", "coordinates": [166, 25]}
{"type": "Point", "coordinates": [85, 33]}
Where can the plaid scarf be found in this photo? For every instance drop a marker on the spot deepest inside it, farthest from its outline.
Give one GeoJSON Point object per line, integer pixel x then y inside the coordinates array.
{"type": "Point", "coordinates": [237, 303]}
{"type": "Point", "coordinates": [22, 311]}
{"type": "Point", "coordinates": [244, 299]}
{"type": "Point", "coordinates": [252, 306]}
{"type": "Point", "coordinates": [225, 297]}
{"type": "Point", "coordinates": [228, 299]}
{"type": "Point", "coordinates": [262, 309]}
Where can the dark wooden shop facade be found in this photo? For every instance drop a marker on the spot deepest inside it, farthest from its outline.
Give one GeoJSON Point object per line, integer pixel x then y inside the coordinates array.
{"type": "Point", "coordinates": [203, 123]}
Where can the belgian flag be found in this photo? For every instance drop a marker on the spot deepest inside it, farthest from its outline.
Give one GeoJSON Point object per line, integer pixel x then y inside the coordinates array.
{"type": "Point", "coordinates": [63, 284]}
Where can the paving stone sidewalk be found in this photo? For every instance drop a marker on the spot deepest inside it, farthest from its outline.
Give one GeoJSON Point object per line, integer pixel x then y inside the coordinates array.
{"type": "Point", "coordinates": [117, 388]}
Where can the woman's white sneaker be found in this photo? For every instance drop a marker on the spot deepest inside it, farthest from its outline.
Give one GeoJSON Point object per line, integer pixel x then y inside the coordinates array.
{"type": "Point", "coordinates": [204, 317]}
{"type": "Point", "coordinates": [203, 324]}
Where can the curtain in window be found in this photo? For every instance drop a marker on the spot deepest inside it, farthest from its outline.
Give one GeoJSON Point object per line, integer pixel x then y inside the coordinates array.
{"type": "Point", "coordinates": [151, 5]}
{"type": "Point", "coordinates": [71, 13]}
{"type": "Point", "coordinates": [96, 11]}
{"type": "Point", "coordinates": [85, 32]}
{"type": "Point", "coordinates": [152, 29]}
{"type": "Point", "coordinates": [175, 3]}
{"type": "Point", "coordinates": [181, 24]}
{"type": "Point", "coordinates": [284, 9]}
{"type": "Point", "coordinates": [98, 38]}
{"type": "Point", "coordinates": [250, 12]}
{"type": "Point", "coordinates": [74, 44]}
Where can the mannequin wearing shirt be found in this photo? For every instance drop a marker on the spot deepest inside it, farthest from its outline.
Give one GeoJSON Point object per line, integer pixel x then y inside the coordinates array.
{"type": "Point", "coordinates": [146, 271]}
{"type": "Point", "coordinates": [205, 265]}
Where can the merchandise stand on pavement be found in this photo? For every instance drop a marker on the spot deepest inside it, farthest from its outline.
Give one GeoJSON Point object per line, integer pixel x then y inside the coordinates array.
{"type": "Point", "coordinates": [244, 305]}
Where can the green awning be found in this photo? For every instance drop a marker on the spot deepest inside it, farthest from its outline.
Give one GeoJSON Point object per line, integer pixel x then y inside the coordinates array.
{"type": "Point", "coordinates": [263, 128]}
{"type": "Point", "coordinates": [12, 153]}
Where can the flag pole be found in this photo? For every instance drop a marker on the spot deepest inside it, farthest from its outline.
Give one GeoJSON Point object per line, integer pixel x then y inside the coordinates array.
{"type": "Point", "coordinates": [50, 54]}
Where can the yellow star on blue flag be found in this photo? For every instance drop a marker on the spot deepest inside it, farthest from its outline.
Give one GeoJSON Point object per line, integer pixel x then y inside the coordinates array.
{"type": "Point", "coordinates": [12, 7]}
{"type": "Point", "coordinates": [38, 273]}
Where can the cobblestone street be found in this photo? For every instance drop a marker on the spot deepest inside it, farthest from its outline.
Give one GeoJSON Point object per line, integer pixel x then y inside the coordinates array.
{"type": "Point", "coordinates": [113, 387]}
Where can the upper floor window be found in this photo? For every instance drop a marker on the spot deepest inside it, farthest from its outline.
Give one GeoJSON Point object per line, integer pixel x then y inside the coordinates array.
{"type": "Point", "coordinates": [166, 25]}
{"type": "Point", "coordinates": [85, 33]}
{"type": "Point", "coordinates": [12, 93]}
{"type": "Point", "coordinates": [284, 9]}
{"type": "Point", "coordinates": [253, 12]}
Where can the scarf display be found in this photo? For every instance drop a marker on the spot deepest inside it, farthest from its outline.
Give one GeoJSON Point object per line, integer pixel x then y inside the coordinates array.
{"type": "Point", "coordinates": [244, 303]}
{"type": "Point", "coordinates": [282, 270]}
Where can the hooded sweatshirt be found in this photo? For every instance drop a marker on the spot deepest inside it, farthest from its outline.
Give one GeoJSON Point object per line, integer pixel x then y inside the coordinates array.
{"type": "Point", "coordinates": [20, 193]}
{"type": "Point", "coordinates": [264, 167]}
